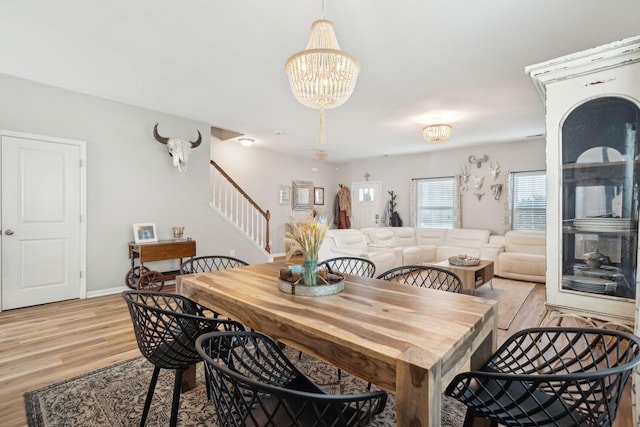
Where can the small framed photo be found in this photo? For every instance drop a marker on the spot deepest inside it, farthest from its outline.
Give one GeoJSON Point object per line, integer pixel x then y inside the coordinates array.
{"type": "Point", "coordinates": [318, 195]}
{"type": "Point", "coordinates": [284, 195]}
{"type": "Point", "coordinates": [145, 233]}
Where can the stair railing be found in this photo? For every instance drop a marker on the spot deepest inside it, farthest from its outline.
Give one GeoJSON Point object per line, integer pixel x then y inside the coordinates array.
{"type": "Point", "coordinates": [233, 202]}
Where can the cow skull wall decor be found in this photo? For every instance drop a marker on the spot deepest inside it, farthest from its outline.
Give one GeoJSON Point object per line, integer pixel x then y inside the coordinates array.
{"type": "Point", "coordinates": [179, 149]}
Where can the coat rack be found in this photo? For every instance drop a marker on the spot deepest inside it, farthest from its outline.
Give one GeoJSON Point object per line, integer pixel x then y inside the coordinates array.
{"type": "Point", "coordinates": [395, 217]}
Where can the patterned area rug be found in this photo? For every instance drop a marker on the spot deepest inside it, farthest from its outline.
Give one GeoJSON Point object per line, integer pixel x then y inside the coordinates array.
{"type": "Point", "coordinates": [114, 396]}
{"type": "Point", "coordinates": [510, 294]}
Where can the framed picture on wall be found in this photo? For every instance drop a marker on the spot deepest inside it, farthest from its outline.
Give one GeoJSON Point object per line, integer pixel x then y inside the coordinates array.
{"type": "Point", "coordinates": [284, 195]}
{"type": "Point", "coordinates": [145, 233]}
{"type": "Point", "coordinates": [318, 195]}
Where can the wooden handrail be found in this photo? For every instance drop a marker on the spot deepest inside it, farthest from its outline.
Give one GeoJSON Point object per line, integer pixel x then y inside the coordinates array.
{"type": "Point", "coordinates": [265, 213]}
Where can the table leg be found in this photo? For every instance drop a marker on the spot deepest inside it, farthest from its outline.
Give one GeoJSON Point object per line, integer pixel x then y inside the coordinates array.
{"type": "Point", "coordinates": [189, 379]}
{"type": "Point", "coordinates": [418, 390]}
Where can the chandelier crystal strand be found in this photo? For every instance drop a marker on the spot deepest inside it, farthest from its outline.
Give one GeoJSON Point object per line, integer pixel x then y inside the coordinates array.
{"type": "Point", "coordinates": [322, 137]}
{"type": "Point", "coordinates": [322, 76]}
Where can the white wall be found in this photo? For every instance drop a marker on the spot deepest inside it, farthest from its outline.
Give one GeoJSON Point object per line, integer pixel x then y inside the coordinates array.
{"type": "Point", "coordinates": [130, 177]}
{"type": "Point", "coordinates": [396, 172]}
{"type": "Point", "coordinates": [260, 172]}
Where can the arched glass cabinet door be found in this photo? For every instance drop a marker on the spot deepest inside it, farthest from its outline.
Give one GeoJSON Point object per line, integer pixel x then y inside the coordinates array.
{"type": "Point", "coordinates": [600, 179]}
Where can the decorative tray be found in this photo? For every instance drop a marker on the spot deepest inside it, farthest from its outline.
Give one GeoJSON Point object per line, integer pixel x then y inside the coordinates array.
{"type": "Point", "coordinates": [464, 260]}
{"type": "Point", "coordinates": [328, 283]}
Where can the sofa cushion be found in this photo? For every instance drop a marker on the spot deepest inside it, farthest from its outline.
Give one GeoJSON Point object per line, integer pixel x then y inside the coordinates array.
{"type": "Point", "coordinates": [381, 237]}
{"type": "Point", "coordinates": [528, 242]}
{"type": "Point", "coordinates": [349, 239]}
{"type": "Point", "coordinates": [432, 237]}
{"type": "Point", "coordinates": [467, 238]}
{"type": "Point", "coordinates": [404, 236]}
{"type": "Point", "coordinates": [522, 266]}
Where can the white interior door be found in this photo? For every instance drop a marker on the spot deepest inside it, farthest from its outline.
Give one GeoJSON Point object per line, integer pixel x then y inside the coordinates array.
{"type": "Point", "coordinates": [42, 204]}
{"type": "Point", "coordinates": [366, 204]}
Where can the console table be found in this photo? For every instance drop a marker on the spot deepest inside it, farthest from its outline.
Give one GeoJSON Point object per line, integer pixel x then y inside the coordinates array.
{"type": "Point", "coordinates": [141, 277]}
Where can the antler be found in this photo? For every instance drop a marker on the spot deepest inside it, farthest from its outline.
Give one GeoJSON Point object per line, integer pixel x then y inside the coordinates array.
{"type": "Point", "coordinates": [156, 135]}
{"type": "Point", "coordinates": [164, 140]}
{"type": "Point", "coordinates": [478, 162]}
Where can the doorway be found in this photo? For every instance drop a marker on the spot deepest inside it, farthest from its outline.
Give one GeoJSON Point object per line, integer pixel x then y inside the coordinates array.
{"type": "Point", "coordinates": [366, 202]}
{"type": "Point", "coordinates": [43, 211]}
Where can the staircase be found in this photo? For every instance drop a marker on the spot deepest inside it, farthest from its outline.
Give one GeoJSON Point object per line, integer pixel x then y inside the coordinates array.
{"type": "Point", "coordinates": [238, 208]}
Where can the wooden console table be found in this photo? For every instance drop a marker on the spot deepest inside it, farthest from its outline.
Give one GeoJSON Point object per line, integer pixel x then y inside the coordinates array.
{"type": "Point", "coordinates": [140, 277]}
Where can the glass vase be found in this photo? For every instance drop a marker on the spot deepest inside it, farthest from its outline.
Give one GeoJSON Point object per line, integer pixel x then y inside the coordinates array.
{"type": "Point", "coordinates": [310, 272]}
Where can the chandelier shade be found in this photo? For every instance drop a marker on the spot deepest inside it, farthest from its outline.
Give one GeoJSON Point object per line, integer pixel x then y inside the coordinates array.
{"type": "Point", "coordinates": [322, 76]}
{"type": "Point", "coordinates": [437, 133]}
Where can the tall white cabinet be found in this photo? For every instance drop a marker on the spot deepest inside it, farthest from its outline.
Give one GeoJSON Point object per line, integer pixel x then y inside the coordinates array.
{"type": "Point", "coordinates": [592, 101]}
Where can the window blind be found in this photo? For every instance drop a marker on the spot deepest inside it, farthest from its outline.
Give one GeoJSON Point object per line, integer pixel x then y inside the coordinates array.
{"type": "Point", "coordinates": [435, 202]}
{"type": "Point", "coordinates": [529, 201]}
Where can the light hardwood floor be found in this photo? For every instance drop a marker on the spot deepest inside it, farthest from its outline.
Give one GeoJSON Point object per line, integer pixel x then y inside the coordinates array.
{"type": "Point", "coordinates": [53, 342]}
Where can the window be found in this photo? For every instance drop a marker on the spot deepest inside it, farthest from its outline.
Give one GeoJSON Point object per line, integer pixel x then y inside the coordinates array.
{"type": "Point", "coordinates": [435, 202]}
{"type": "Point", "coordinates": [529, 201]}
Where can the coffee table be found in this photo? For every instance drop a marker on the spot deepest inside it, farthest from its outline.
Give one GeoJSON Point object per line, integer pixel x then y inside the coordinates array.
{"type": "Point", "coordinates": [472, 276]}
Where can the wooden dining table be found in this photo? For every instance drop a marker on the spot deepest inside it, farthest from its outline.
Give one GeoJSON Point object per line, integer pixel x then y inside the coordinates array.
{"type": "Point", "coordinates": [408, 341]}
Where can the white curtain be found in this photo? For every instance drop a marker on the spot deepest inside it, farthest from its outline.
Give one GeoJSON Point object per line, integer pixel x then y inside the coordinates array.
{"type": "Point", "coordinates": [413, 213]}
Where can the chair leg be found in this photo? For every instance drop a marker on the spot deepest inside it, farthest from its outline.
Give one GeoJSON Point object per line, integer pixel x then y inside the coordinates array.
{"type": "Point", "coordinates": [147, 402]}
{"type": "Point", "coordinates": [470, 417]}
{"type": "Point", "coordinates": [175, 404]}
{"type": "Point", "coordinates": [207, 383]}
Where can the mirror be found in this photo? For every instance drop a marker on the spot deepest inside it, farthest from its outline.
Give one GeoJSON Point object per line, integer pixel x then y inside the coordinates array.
{"type": "Point", "coordinates": [302, 197]}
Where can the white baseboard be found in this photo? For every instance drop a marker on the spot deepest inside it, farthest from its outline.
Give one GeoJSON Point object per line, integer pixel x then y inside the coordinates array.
{"type": "Point", "coordinates": [110, 291]}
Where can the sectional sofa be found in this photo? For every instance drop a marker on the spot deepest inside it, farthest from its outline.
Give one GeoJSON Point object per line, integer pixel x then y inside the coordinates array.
{"type": "Point", "coordinates": [517, 255]}
{"type": "Point", "coordinates": [523, 256]}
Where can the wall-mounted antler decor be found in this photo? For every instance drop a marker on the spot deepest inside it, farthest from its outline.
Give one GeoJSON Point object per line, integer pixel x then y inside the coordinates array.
{"type": "Point", "coordinates": [494, 170]}
{"type": "Point", "coordinates": [179, 149]}
{"type": "Point", "coordinates": [478, 160]}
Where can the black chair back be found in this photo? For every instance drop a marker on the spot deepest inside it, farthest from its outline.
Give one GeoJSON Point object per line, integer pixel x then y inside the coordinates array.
{"type": "Point", "coordinates": [255, 384]}
{"type": "Point", "coordinates": [424, 277]}
{"type": "Point", "coordinates": [350, 265]}
{"type": "Point", "coordinates": [551, 376]}
{"type": "Point", "coordinates": [166, 327]}
{"type": "Point", "coordinates": [210, 263]}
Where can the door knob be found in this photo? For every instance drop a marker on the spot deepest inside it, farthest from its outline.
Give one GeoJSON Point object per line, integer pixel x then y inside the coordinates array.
{"type": "Point", "coordinates": [8, 232]}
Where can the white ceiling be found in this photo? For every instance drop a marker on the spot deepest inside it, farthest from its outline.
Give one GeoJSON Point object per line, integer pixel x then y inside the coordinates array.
{"type": "Point", "coordinates": [222, 62]}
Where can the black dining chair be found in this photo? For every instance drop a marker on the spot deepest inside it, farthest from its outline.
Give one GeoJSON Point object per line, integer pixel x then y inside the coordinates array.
{"type": "Point", "coordinates": [551, 377]}
{"type": "Point", "coordinates": [166, 327]}
{"type": "Point", "coordinates": [254, 384]}
{"type": "Point", "coordinates": [206, 263]}
{"type": "Point", "coordinates": [424, 276]}
{"type": "Point", "coordinates": [350, 265]}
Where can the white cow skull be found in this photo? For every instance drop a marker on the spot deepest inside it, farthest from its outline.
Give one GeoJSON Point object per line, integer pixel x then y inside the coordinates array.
{"type": "Point", "coordinates": [179, 149]}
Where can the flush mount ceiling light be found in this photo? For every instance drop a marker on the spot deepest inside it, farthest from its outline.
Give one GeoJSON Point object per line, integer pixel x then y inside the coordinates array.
{"type": "Point", "coordinates": [322, 76]}
{"type": "Point", "coordinates": [246, 142]}
{"type": "Point", "coordinates": [439, 132]}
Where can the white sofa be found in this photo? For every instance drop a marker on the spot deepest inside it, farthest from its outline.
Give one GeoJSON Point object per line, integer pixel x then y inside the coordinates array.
{"type": "Point", "coordinates": [523, 256]}
{"type": "Point", "coordinates": [408, 245]}
{"type": "Point", "coordinates": [353, 243]}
